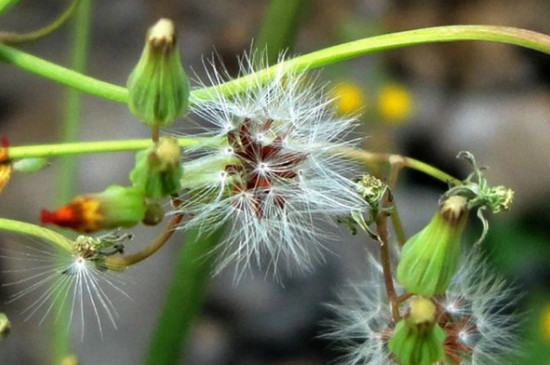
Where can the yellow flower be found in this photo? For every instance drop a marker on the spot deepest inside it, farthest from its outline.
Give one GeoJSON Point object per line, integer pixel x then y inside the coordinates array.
{"type": "Point", "coordinates": [545, 322]}
{"type": "Point", "coordinates": [394, 103]}
{"type": "Point", "coordinates": [348, 98]}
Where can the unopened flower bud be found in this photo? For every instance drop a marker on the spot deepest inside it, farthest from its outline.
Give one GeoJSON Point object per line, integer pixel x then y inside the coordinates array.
{"type": "Point", "coordinates": [430, 258]}
{"type": "Point", "coordinates": [158, 169]}
{"type": "Point", "coordinates": [418, 339]}
{"type": "Point", "coordinates": [115, 207]}
{"type": "Point", "coordinates": [5, 326]}
{"type": "Point", "coordinates": [158, 86]}
{"type": "Point", "coordinates": [28, 165]}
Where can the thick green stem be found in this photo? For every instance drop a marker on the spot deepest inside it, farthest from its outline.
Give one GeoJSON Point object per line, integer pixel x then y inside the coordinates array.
{"type": "Point", "coordinates": [193, 267]}
{"type": "Point", "coordinates": [452, 33]}
{"type": "Point", "coordinates": [41, 233]}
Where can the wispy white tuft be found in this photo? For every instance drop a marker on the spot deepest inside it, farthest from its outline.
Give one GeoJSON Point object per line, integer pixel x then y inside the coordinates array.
{"type": "Point", "coordinates": [487, 304]}
{"type": "Point", "coordinates": [276, 176]}
{"type": "Point", "coordinates": [53, 279]}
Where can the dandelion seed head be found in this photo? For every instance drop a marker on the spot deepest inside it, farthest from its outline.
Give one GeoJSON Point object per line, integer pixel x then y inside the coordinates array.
{"type": "Point", "coordinates": [283, 172]}
{"type": "Point", "coordinates": [477, 314]}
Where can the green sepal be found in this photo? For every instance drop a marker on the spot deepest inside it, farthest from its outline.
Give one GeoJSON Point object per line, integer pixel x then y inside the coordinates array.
{"type": "Point", "coordinates": [417, 344]}
{"type": "Point", "coordinates": [158, 169]}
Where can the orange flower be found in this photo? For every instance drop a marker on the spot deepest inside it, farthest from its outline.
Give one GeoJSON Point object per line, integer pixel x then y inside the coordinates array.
{"type": "Point", "coordinates": [115, 207]}
{"type": "Point", "coordinates": [5, 166]}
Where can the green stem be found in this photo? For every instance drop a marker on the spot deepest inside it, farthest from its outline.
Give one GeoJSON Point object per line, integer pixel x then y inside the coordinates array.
{"type": "Point", "coordinates": [70, 129]}
{"type": "Point", "coordinates": [330, 55]}
{"type": "Point", "coordinates": [356, 154]}
{"type": "Point", "coordinates": [185, 296]}
{"type": "Point", "coordinates": [279, 28]}
{"type": "Point", "coordinates": [6, 4]}
{"type": "Point", "coordinates": [41, 233]}
{"type": "Point", "coordinates": [374, 158]}
{"type": "Point", "coordinates": [60, 149]}
{"type": "Point", "coordinates": [63, 75]}
{"type": "Point", "coordinates": [71, 120]}
{"type": "Point", "coordinates": [17, 38]}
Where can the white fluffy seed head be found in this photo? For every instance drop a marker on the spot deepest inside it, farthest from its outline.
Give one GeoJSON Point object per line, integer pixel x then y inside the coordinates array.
{"type": "Point", "coordinates": [282, 175]}
{"type": "Point", "coordinates": [476, 313]}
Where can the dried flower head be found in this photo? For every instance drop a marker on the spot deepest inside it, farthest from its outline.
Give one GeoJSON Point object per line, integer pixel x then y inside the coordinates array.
{"type": "Point", "coordinates": [275, 171]}
{"type": "Point", "coordinates": [476, 313]}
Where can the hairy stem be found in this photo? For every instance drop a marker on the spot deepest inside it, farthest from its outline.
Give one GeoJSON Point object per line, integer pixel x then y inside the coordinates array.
{"type": "Point", "coordinates": [452, 33]}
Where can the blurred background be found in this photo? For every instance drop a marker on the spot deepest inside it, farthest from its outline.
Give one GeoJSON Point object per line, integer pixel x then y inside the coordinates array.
{"type": "Point", "coordinates": [428, 102]}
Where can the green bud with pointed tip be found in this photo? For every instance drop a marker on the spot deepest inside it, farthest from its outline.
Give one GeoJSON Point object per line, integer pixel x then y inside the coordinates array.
{"type": "Point", "coordinates": [418, 339]}
{"type": "Point", "coordinates": [5, 326]}
{"type": "Point", "coordinates": [158, 169]}
{"type": "Point", "coordinates": [429, 259]}
{"type": "Point", "coordinates": [158, 88]}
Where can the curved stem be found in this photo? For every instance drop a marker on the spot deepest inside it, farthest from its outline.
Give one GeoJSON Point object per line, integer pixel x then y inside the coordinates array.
{"type": "Point", "coordinates": [453, 33]}
{"type": "Point", "coordinates": [17, 38]}
{"type": "Point", "coordinates": [62, 75]}
{"type": "Point", "coordinates": [42, 233]}
{"type": "Point", "coordinates": [120, 262]}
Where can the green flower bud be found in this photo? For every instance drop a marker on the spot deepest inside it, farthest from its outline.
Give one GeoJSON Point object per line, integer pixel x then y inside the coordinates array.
{"type": "Point", "coordinates": [430, 258]}
{"type": "Point", "coordinates": [115, 207]}
{"type": "Point", "coordinates": [158, 86]}
{"type": "Point", "coordinates": [30, 164]}
{"type": "Point", "coordinates": [418, 339]}
{"type": "Point", "coordinates": [158, 169]}
{"type": "Point", "coordinates": [5, 326]}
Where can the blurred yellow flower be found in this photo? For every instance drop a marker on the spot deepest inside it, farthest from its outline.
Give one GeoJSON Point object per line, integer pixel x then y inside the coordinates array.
{"type": "Point", "coordinates": [349, 98]}
{"type": "Point", "coordinates": [394, 103]}
{"type": "Point", "coordinates": [545, 322]}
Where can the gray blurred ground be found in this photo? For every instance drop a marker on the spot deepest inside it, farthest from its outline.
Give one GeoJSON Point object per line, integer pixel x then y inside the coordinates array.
{"type": "Point", "coordinates": [490, 99]}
